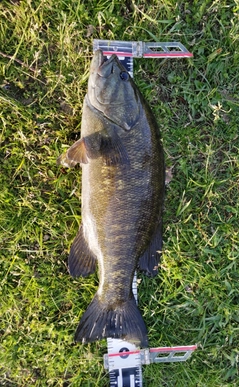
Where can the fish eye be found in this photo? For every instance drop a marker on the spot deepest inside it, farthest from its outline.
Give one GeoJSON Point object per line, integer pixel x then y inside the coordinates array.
{"type": "Point", "coordinates": [124, 75]}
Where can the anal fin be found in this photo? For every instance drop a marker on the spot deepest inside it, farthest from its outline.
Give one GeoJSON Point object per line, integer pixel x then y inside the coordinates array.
{"type": "Point", "coordinates": [82, 261]}
{"type": "Point", "coordinates": [149, 260]}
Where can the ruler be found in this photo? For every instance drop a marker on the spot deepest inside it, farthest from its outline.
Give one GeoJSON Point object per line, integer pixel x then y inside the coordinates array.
{"type": "Point", "coordinates": [127, 356]}
{"type": "Point", "coordinates": [124, 360]}
{"type": "Point", "coordinates": [126, 51]}
{"type": "Point", "coordinates": [124, 364]}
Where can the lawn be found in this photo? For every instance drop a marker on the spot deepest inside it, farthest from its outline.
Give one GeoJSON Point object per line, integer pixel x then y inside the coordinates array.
{"type": "Point", "coordinates": [45, 52]}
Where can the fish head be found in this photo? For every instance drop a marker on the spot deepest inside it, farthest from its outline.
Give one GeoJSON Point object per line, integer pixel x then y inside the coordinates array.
{"type": "Point", "coordinates": [112, 91]}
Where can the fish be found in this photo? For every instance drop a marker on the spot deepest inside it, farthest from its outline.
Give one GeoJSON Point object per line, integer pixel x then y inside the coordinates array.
{"type": "Point", "coordinates": [123, 181]}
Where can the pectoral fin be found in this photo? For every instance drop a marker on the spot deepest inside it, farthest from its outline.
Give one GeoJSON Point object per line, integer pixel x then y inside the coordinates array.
{"type": "Point", "coordinates": [77, 153]}
{"type": "Point", "coordinates": [98, 144]}
{"type": "Point", "coordinates": [113, 150]}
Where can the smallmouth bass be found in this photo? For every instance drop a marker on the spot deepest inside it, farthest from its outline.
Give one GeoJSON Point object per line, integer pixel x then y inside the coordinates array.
{"type": "Point", "coordinates": [123, 179]}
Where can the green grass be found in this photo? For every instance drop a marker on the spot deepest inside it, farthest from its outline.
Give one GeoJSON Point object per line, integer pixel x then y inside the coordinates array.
{"type": "Point", "coordinates": [45, 51]}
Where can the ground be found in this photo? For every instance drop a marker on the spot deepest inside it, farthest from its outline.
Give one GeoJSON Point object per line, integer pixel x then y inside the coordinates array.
{"type": "Point", "coordinates": [45, 52]}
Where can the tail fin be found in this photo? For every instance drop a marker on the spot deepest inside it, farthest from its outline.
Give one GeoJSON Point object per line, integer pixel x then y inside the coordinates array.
{"type": "Point", "coordinates": [119, 321]}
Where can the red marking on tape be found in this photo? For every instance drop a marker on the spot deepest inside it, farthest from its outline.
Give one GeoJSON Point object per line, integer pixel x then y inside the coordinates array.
{"type": "Point", "coordinates": [174, 349]}
{"type": "Point", "coordinates": [124, 353]}
{"type": "Point", "coordinates": [162, 54]}
{"type": "Point", "coordinates": [118, 53]}
{"type": "Point", "coordinates": [168, 54]}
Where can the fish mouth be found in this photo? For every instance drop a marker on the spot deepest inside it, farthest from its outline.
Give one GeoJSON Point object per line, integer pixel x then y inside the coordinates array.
{"type": "Point", "coordinates": [102, 66]}
{"type": "Point", "coordinates": [102, 59]}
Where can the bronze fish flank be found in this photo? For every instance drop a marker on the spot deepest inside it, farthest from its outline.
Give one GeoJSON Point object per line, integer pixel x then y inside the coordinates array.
{"type": "Point", "coordinates": [122, 198]}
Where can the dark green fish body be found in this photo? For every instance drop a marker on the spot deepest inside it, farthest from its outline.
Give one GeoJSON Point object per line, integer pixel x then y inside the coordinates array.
{"type": "Point", "coordinates": [122, 198]}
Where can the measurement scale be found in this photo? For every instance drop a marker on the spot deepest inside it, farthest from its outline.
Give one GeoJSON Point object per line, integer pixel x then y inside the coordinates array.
{"type": "Point", "coordinates": [124, 360]}
{"type": "Point", "coordinates": [126, 51]}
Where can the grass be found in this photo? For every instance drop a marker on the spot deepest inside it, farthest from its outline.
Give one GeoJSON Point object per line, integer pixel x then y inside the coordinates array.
{"type": "Point", "coordinates": [46, 47]}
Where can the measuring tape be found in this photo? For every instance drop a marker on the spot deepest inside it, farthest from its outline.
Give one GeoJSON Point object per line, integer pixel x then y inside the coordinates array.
{"type": "Point", "coordinates": [124, 360]}
{"type": "Point", "coordinates": [126, 51]}
{"type": "Point", "coordinates": [125, 365]}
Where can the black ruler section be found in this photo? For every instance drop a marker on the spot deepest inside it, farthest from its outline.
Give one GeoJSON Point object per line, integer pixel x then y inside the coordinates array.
{"type": "Point", "coordinates": [126, 377]}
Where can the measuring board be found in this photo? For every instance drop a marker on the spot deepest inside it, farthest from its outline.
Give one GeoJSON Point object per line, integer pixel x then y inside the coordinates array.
{"type": "Point", "coordinates": [124, 360]}
{"type": "Point", "coordinates": [125, 365]}
{"type": "Point", "coordinates": [126, 51]}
